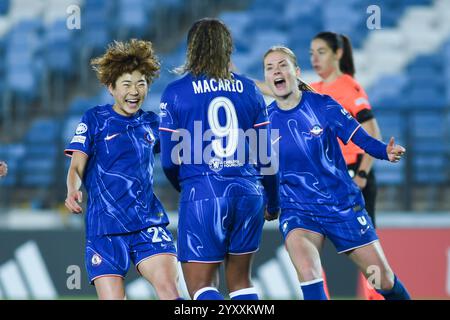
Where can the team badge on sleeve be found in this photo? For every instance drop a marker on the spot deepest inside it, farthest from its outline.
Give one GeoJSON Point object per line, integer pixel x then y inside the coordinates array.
{"type": "Point", "coordinates": [81, 128]}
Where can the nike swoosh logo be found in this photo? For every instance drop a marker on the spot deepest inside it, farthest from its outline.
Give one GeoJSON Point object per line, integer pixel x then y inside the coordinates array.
{"type": "Point", "coordinates": [111, 136]}
{"type": "Point", "coordinates": [365, 230]}
{"type": "Point", "coordinates": [276, 140]}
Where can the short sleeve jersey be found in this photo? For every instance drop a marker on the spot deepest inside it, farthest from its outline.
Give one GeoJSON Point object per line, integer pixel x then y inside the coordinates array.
{"type": "Point", "coordinates": [212, 117]}
{"type": "Point", "coordinates": [119, 173]}
{"type": "Point", "coordinates": [314, 175]}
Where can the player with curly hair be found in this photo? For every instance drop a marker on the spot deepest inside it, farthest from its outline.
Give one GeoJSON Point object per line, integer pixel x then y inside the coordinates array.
{"type": "Point", "coordinates": [113, 156]}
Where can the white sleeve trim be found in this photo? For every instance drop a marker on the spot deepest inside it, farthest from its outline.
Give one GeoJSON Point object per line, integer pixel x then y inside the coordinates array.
{"type": "Point", "coordinates": [168, 129]}
{"type": "Point", "coordinates": [261, 124]}
{"type": "Point", "coordinates": [353, 133]}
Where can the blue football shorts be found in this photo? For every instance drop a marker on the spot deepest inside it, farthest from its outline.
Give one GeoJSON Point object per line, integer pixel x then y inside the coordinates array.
{"type": "Point", "coordinates": [110, 255]}
{"type": "Point", "coordinates": [349, 229]}
{"type": "Point", "coordinates": [209, 229]}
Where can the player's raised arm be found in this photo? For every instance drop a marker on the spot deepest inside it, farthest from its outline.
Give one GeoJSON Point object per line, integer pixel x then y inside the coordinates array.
{"type": "Point", "coordinates": [377, 148]}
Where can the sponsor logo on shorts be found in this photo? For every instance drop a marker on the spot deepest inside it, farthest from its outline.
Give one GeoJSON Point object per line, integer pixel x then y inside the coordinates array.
{"type": "Point", "coordinates": [363, 231]}
{"type": "Point", "coordinates": [362, 220]}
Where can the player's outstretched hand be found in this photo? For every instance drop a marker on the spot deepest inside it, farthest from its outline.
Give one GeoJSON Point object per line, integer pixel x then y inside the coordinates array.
{"type": "Point", "coordinates": [72, 201]}
{"type": "Point", "coordinates": [270, 217]}
{"type": "Point", "coordinates": [394, 151]}
{"type": "Point", "coordinates": [3, 169]}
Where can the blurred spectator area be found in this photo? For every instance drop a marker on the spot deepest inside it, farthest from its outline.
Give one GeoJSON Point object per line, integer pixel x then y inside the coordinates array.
{"type": "Point", "coordinates": [46, 82]}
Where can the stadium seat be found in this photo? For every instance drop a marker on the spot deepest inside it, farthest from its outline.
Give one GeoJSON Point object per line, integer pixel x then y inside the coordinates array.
{"type": "Point", "coordinates": [419, 96]}
{"type": "Point", "coordinates": [58, 46]}
{"type": "Point", "coordinates": [34, 41]}
{"type": "Point", "coordinates": [389, 174]}
{"type": "Point", "coordinates": [429, 149]}
{"type": "Point", "coordinates": [79, 105]}
{"type": "Point", "coordinates": [429, 125]}
{"type": "Point", "coordinates": [4, 7]}
{"type": "Point", "coordinates": [392, 124]}
{"type": "Point", "coordinates": [237, 22]}
{"type": "Point", "coordinates": [430, 169]}
{"type": "Point", "coordinates": [23, 9]}
{"type": "Point", "coordinates": [96, 32]}
{"type": "Point", "coordinates": [13, 155]}
{"type": "Point", "coordinates": [43, 131]}
{"type": "Point", "coordinates": [104, 97]}
{"type": "Point", "coordinates": [23, 82]}
{"type": "Point", "coordinates": [38, 166]}
{"type": "Point", "coordinates": [131, 19]}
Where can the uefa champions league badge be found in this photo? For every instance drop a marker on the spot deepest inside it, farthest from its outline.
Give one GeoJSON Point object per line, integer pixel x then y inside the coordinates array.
{"type": "Point", "coordinates": [215, 164]}
{"type": "Point", "coordinates": [96, 260]}
{"type": "Point", "coordinates": [316, 130]}
{"type": "Point", "coordinates": [81, 128]}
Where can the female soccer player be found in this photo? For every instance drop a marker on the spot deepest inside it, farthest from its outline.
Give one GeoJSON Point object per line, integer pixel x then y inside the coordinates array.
{"type": "Point", "coordinates": [318, 197]}
{"type": "Point", "coordinates": [332, 59]}
{"type": "Point", "coordinates": [112, 154]}
{"type": "Point", "coordinates": [221, 212]}
{"type": "Point", "coordinates": [3, 169]}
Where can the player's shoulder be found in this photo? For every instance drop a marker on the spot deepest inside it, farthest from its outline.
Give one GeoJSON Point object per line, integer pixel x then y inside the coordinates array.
{"type": "Point", "coordinates": [272, 107]}
{"type": "Point", "coordinates": [175, 85]}
{"type": "Point", "coordinates": [149, 116]}
{"type": "Point", "coordinates": [316, 85]}
{"type": "Point", "coordinates": [319, 99]}
{"type": "Point", "coordinates": [321, 103]}
{"type": "Point", "coordinates": [243, 78]}
{"type": "Point", "coordinates": [98, 111]}
{"type": "Point", "coordinates": [349, 83]}
{"type": "Point", "coordinates": [248, 83]}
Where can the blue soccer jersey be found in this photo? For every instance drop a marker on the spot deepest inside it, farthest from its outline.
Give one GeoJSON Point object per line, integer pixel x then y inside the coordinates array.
{"type": "Point", "coordinates": [119, 172]}
{"type": "Point", "coordinates": [313, 172]}
{"type": "Point", "coordinates": [218, 123]}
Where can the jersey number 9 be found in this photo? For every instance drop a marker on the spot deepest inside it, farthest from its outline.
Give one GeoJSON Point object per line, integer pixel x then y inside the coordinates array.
{"type": "Point", "coordinates": [229, 130]}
